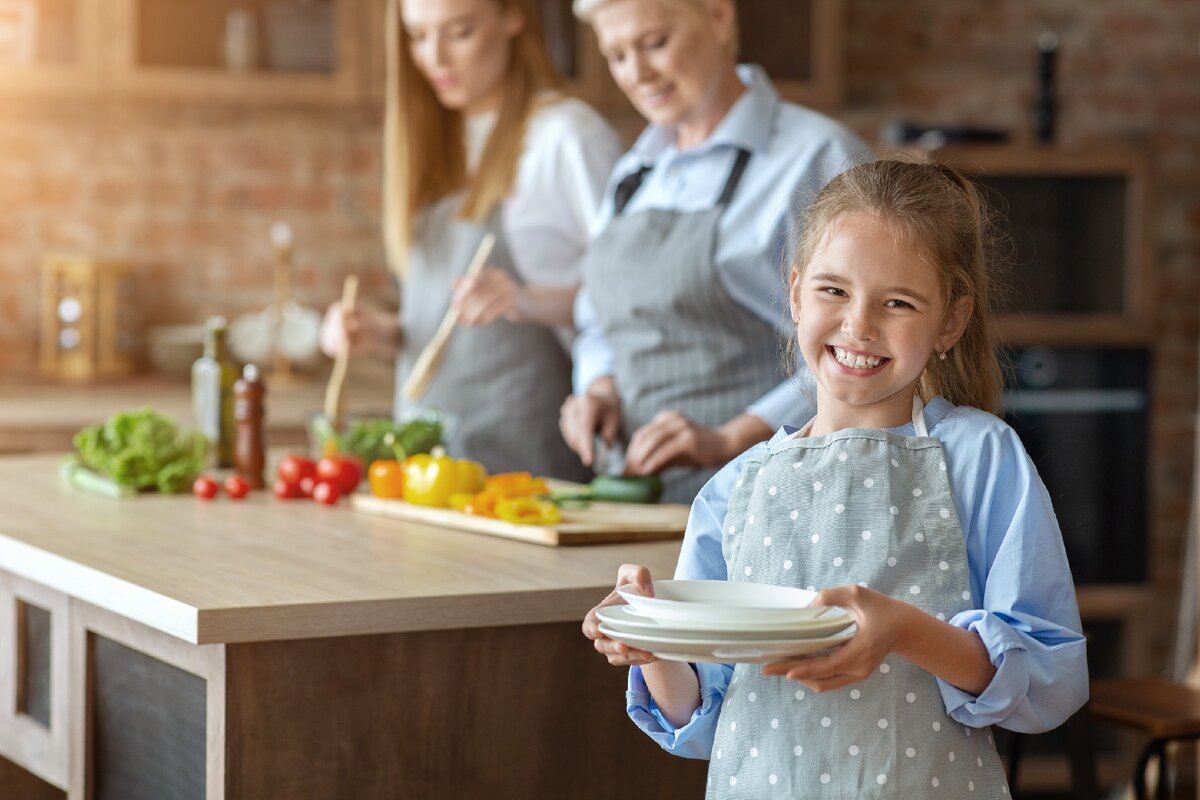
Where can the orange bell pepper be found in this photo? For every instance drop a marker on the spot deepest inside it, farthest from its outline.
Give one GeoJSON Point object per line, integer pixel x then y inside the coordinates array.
{"type": "Point", "coordinates": [386, 478]}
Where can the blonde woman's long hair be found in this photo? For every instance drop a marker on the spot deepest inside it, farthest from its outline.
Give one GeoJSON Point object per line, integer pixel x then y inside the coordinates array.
{"type": "Point", "coordinates": [424, 152]}
{"type": "Point", "coordinates": [942, 214]}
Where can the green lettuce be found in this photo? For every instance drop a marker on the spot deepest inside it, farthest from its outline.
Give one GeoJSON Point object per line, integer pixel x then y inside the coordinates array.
{"type": "Point", "coordinates": [143, 450]}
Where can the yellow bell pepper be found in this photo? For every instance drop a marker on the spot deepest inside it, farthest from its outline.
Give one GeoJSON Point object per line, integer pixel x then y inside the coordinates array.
{"type": "Point", "coordinates": [430, 479]}
{"type": "Point", "coordinates": [528, 511]}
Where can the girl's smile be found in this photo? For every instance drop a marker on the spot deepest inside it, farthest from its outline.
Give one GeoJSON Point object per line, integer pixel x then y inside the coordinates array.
{"type": "Point", "coordinates": [871, 312]}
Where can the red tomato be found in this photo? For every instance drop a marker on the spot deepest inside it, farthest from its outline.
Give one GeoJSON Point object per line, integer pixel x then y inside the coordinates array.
{"type": "Point", "coordinates": [343, 471]}
{"type": "Point", "coordinates": [295, 468]}
{"type": "Point", "coordinates": [326, 493]}
{"type": "Point", "coordinates": [237, 487]}
{"type": "Point", "coordinates": [307, 485]}
{"type": "Point", "coordinates": [286, 491]}
{"type": "Point", "coordinates": [204, 487]}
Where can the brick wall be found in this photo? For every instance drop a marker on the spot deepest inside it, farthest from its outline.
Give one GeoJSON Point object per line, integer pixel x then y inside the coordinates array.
{"type": "Point", "coordinates": [188, 193]}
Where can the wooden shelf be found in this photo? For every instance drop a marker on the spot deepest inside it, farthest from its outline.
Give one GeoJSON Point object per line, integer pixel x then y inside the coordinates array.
{"type": "Point", "coordinates": [1082, 267]}
{"type": "Point", "coordinates": [168, 50]}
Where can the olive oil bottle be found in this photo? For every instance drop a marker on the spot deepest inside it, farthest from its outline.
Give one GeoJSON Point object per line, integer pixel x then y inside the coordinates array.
{"type": "Point", "coordinates": [213, 377]}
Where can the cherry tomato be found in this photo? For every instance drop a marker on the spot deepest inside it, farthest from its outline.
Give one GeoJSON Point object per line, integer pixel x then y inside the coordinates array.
{"type": "Point", "coordinates": [294, 468]}
{"type": "Point", "coordinates": [326, 492]}
{"type": "Point", "coordinates": [237, 487]}
{"type": "Point", "coordinates": [204, 487]}
{"type": "Point", "coordinates": [286, 491]}
{"type": "Point", "coordinates": [307, 484]}
{"type": "Point", "coordinates": [343, 471]}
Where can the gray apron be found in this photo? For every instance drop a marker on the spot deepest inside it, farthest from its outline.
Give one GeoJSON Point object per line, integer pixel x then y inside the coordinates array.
{"type": "Point", "coordinates": [502, 384]}
{"type": "Point", "coordinates": [857, 506]}
{"type": "Point", "coordinates": [679, 342]}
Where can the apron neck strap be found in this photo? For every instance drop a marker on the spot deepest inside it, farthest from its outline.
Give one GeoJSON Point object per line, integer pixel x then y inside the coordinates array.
{"type": "Point", "coordinates": [629, 185]}
{"type": "Point", "coordinates": [918, 420]}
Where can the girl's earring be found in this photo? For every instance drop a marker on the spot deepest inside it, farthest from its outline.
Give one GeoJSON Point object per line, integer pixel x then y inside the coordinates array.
{"type": "Point", "coordinates": [942, 356]}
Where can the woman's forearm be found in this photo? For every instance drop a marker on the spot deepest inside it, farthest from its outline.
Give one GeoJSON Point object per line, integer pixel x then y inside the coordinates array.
{"type": "Point", "coordinates": [548, 305]}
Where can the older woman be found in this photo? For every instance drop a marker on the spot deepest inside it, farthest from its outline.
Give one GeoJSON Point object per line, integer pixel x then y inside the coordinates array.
{"type": "Point", "coordinates": [479, 139]}
{"type": "Point", "coordinates": [682, 308]}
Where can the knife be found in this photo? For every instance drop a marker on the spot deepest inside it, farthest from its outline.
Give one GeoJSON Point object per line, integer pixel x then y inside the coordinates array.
{"type": "Point", "coordinates": [607, 459]}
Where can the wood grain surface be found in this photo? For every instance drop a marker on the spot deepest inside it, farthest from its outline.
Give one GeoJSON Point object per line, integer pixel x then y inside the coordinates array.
{"type": "Point", "coordinates": [597, 523]}
{"type": "Point", "coordinates": [262, 568]}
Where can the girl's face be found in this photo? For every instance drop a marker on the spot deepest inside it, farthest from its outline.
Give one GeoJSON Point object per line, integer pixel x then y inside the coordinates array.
{"type": "Point", "coordinates": [665, 55]}
{"type": "Point", "coordinates": [462, 47]}
{"type": "Point", "coordinates": [870, 312]}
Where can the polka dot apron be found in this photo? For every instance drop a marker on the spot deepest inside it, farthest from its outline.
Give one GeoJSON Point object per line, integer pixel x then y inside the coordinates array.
{"type": "Point", "coordinates": [857, 506]}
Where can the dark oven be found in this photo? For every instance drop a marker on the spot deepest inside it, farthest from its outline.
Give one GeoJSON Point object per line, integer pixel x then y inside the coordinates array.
{"type": "Point", "coordinates": [1083, 415]}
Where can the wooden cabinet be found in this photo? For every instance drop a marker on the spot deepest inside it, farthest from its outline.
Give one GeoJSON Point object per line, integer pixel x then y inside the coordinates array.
{"type": "Point", "coordinates": [1075, 222]}
{"type": "Point", "coordinates": [800, 46]}
{"type": "Point", "coordinates": [49, 47]}
{"type": "Point", "coordinates": [34, 691]}
{"type": "Point", "coordinates": [254, 51]}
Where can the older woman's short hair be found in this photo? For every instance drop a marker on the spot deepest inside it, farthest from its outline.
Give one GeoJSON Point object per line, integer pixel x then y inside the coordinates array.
{"type": "Point", "coordinates": [584, 9]}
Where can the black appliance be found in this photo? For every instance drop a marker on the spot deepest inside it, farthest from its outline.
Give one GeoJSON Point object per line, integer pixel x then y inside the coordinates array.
{"type": "Point", "coordinates": [1083, 415]}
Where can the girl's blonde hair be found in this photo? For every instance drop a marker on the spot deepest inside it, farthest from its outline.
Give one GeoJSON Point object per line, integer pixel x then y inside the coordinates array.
{"type": "Point", "coordinates": [938, 211]}
{"type": "Point", "coordinates": [424, 152]}
{"type": "Point", "coordinates": [584, 9]}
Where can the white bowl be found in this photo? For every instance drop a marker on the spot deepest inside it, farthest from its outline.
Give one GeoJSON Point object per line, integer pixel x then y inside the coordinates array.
{"type": "Point", "coordinates": [173, 349]}
{"type": "Point", "coordinates": [731, 602]}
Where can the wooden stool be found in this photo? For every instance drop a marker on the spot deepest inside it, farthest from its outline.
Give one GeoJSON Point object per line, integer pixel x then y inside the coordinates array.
{"type": "Point", "coordinates": [1160, 709]}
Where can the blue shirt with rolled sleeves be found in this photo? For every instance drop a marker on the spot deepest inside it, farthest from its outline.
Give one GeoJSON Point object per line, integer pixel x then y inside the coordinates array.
{"type": "Point", "coordinates": [1029, 619]}
{"type": "Point", "coordinates": [794, 151]}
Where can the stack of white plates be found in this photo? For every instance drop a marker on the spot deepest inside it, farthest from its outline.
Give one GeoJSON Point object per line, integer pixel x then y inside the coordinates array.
{"type": "Point", "coordinates": [724, 622]}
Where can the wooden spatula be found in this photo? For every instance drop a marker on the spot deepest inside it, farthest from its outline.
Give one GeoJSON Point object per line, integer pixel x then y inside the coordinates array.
{"type": "Point", "coordinates": [427, 363]}
{"type": "Point", "coordinates": [341, 362]}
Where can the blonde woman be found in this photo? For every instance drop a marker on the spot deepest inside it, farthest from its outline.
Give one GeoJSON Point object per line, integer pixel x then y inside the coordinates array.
{"type": "Point", "coordinates": [479, 138]}
{"type": "Point", "coordinates": [683, 309]}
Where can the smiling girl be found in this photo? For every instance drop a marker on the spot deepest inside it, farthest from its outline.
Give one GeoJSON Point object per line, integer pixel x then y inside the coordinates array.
{"type": "Point", "coordinates": [907, 498]}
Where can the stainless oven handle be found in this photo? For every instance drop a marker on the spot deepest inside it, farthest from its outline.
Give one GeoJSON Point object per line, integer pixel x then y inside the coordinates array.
{"type": "Point", "coordinates": [1074, 401]}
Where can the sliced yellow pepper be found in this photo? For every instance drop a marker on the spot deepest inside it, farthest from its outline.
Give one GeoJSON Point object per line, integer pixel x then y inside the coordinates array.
{"type": "Point", "coordinates": [528, 511]}
{"type": "Point", "coordinates": [431, 479]}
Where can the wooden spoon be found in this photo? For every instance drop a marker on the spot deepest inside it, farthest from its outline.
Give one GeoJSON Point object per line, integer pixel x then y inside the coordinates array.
{"type": "Point", "coordinates": [427, 363]}
{"type": "Point", "coordinates": [337, 376]}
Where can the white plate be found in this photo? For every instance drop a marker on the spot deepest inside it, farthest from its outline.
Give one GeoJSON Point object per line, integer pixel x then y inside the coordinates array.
{"type": "Point", "coordinates": [712, 603]}
{"type": "Point", "coordinates": [726, 651]}
{"type": "Point", "coordinates": [623, 618]}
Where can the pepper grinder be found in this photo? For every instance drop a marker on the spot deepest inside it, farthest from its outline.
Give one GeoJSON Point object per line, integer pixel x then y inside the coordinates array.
{"type": "Point", "coordinates": [1043, 102]}
{"type": "Point", "coordinates": [249, 453]}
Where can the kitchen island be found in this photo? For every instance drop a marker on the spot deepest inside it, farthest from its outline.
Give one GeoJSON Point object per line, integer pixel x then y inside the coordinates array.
{"type": "Point", "coordinates": [161, 647]}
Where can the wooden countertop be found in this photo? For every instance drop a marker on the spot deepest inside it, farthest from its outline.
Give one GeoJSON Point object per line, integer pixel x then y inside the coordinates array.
{"type": "Point", "coordinates": [264, 569]}
{"type": "Point", "coordinates": [36, 416]}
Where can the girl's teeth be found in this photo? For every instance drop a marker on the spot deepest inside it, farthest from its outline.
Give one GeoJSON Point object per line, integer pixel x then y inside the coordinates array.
{"type": "Point", "coordinates": [855, 361]}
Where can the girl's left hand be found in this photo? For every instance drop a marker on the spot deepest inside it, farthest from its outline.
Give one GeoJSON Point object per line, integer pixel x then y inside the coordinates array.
{"type": "Point", "coordinates": [881, 621]}
{"type": "Point", "coordinates": [487, 297]}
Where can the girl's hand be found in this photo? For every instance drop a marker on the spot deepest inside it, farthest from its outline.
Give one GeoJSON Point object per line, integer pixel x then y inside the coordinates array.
{"type": "Point", "coordinates": [620, 655]}
{"type": "Point", "coordinates": [881, 622]}
{"type": "Point", "coordinates": [487, 297]}
{"type": "Point", "coordinates": [362, 329]}
{"type": "Point", "coordinates": [582, 415]}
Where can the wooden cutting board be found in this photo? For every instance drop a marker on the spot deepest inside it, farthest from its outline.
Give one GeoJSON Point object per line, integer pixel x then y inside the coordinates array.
{"type": "Point", "coordinates": [597, 523]}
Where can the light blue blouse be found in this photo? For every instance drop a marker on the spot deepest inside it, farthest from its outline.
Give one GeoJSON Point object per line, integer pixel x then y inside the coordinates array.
{"type": "Point", "coordinates": [1016, 562]}
{"type": "Point", "coordinates": [793, 153]}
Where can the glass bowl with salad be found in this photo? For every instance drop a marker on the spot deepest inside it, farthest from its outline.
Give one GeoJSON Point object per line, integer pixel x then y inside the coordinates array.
{"type": "Point", "coordinates": [366, 435]}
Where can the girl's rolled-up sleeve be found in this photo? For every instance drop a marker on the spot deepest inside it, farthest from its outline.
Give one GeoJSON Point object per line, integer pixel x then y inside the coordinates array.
{"type": "Point", "coordinates": [1029, 618]}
